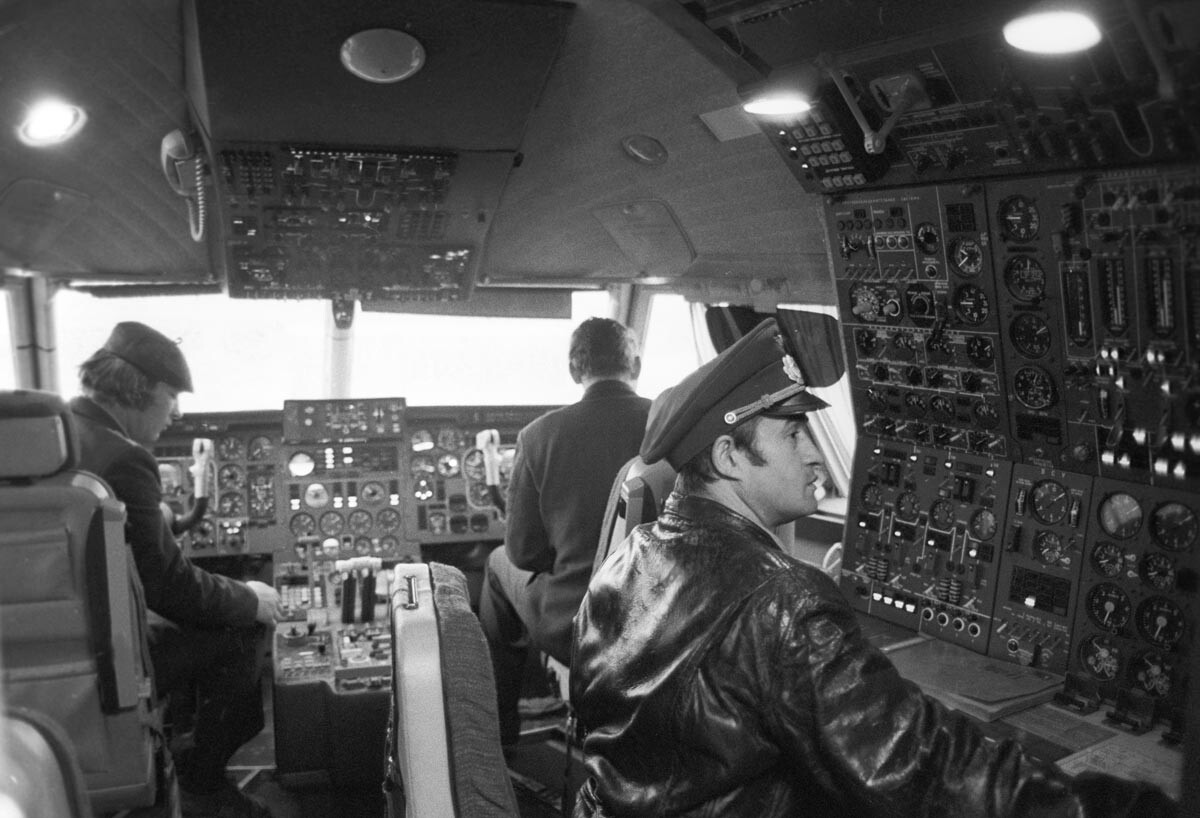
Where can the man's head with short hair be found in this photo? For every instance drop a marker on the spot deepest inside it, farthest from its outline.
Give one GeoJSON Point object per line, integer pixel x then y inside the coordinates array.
{"type": "Point", "coordinates": [603, 349]}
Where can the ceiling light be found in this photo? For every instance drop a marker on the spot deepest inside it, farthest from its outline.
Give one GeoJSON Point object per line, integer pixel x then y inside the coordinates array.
{"type": "Point", "coordinates": [787, 91]}
{"type": "Point", "coordinates": [1052, 29]}
{"type": "Point", "coordinates": [382, 55]}
{"type": "Point", "coordinates": [779, 104]}
{"type": "Point", "coordinates": [50, 122]}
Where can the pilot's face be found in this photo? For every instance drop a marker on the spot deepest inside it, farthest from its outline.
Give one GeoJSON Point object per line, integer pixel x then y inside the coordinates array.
{"type": "Point", "coordinates": [147, 424]}
{"type": "Point", "coordinates": [785, 486]}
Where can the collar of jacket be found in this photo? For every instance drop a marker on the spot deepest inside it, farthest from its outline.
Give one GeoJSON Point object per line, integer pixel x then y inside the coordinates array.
{"type": "Point", "coordinates": [95, 412]}
{"type": "Point", "coordinates": [606, 389]}
{"type": "Point", "coordinates": [690, 511]}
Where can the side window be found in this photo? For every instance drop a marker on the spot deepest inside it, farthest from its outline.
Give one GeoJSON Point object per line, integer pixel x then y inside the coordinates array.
{"type": "Point", "coordinates": [675, 343]}
{"type": "Point", "coordinates": [8, 372]}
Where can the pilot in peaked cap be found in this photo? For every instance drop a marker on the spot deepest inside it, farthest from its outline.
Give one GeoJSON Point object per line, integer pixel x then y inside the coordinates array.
{"type": "Point", "coordinates": [756, 376]}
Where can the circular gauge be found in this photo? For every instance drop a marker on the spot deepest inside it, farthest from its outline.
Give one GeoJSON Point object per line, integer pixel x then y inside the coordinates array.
{"type": "Point", "coordinates": [423, 488]}
{"type": "Point", "coordinates": [422, 440]}
{"type": "Point", "coordinates": [981, 351]}
{"type": "Point", "coordinates": [303, 525]}
{"type": "Point", "coordinates": [1173, 526]}
{"type": "Point", "coordinates": [919, 303]}
{"type": "Point", "coordinates": [1030, 334]}
{"type": "Point", "coordinates": [362, 545]}
{"type": "Point", "coordinates": [447, 465]}
{"type": "Point", "coordinates": [915, 404]}
{"type": "Point", "coordinates": [864, 301]}
{"type": "Point", "coordinates": [451, 438]}
{"type": "Point", "coordinates": [971, 304]}
{"type": "Point", "coordinates": [422, 465]}
{"type": "Point", "coordinates": [1050, 501]}
{"type": "Point", "coordinates": [966, 256]}
{"type": "Point", "coordinates": [388, 519]}
{"type": "Point", "coordinates": [359, 521]}
{"type": "Point", "coordinates": [262, 497]}
{"type": "Point", "coordinates": [438, 523]}
{"type": "Point", "coordinates": [941, 406]}
{"type": "Point", "coordinates": [986, 415]}
{"type": "Point", "coordinates": [871, 497]}
{"type": "Point", "coordinates": [1120, 515]}
{"type": "Point", "coordinates": [1161, 621]}
{"type": "Point", "coordinates": [1100, 657]}
{"type": "Point", "coordinates": [301, 464]}
{"type": "Point", "coordinates": [1034, 387]}
{"type": "Point", "coordinates": [1151, 673]}
{"type": "Point", "coordinates": [231, 504]}
{"type": "Point", "coordinates": [927, 238]}
{"type": "Point", "coordinates": [316, 495]}
{"type": "Point", "coordinates": [473, 465]}
{"type": "Point", "coordinates": [332, 524]}
{"type": "Point", "coordinates": [1107, 559]}
{"type": "Point", "coordinates": [372, 493]}
{"type": "Point", "coordinates": [941, 515]}
{"type": "Point", "coordinates": [479, 495]}
{"type": "Point", "coordinates": [231, 476]}
{"type": "Point", "coordinates": [983, 524]}
{"type": "Point", "coordinates": [230, 448]}
{"type": "Point", "coordinates": [867, 342]}
{"type": "Point", "coordinates": [260, 448]}
{"type": "Point", "coordinates": [907, 507]}
{"type": "Point", "coordinates": [1108, 606]}
{"type": "Point", "coordinates": [1050, 549]}
{"type": "Point", "coordinates": [1025, 278]}
{"type": "Point", "coordinates": [388, 543]}
{"type": "Point", "coordinates": [1158, 571]}
{"type": "Point", "coordinates": [1018, 217]}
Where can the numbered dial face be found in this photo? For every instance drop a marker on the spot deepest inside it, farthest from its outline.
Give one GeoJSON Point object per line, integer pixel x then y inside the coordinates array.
{"type": "Point", "coordinates": [1108, 606]}
{"type": "Point", "coordinates": [231, 504]}
{"type": "Point", "coordinates": [941, 515]}
{"type": "Point", "coordinates": [316, 495]}
{"type": "Point", "coordinates": [230, 476]}
{"type": "Point", "coordinates": [1030, 334]}
{"type": "Point", "coordinates": [981, 351]}
{"type": "Point", "coordinates": [447, 465]}
{"type": "Point", "coordinates": [360, 521]}
{"type": "Point", "coordinates": [388, 519]}
{"type": "Point", "coordinates": [983, 524]}
{"type": "Point", "coordinates": [966, 256]}
{"type": "Point", "coordinates": [1108, 559]}
{"type": "Point", "coordinates": [1050, 548]}
{"type": "Point", "coordinates": [971, 304]}
{"type": "Point", "coordinates": [872, 497]}
{"type": "Point", "coordinates": [479, 495]}
{"type": "Point", "coordinates": [372, 493]}
{"type": "Point", "coordinates": [422, 466]}
{"type": "Point", "coordinates": [260, 448]}
{"type": "Point", "coordinates": [1174, 526]}
{"type": "Point", "coordinates": [1019, 219]}
{"type": "Point", "coordinates": [1025, 279]}
{"type": "Point", "coordinates": [473, 465]}
{"type": "Point", "coordinates": [1121, 515]}
{"type": "Point", "coordinates": [907, 507]}
{"type": "Point", "coordinates": [303, 525]}
{"type": "Point", "coordinates": [1034, 388]}
{"type": "Point", "coordinates": [230, 448]}
{"type": "Point", "coordinates": [451, 438]}
{"type": "Point", "coordinates": [1151, 673]}
{"type": "Point", "coordinates": [1158, 571]}
{"type": "Point", "coordinates": [1050, 502]}
{"type": "Point", "coordinates": [1100, 657]}
{"type": "Point", "coordinates": [332, 524]}
{"type": "Point", "coordinates": [1161, 621]}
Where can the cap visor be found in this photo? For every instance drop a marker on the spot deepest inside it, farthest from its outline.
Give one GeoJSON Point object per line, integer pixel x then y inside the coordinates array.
{"type": "Point", "coordinates": [800, 404]}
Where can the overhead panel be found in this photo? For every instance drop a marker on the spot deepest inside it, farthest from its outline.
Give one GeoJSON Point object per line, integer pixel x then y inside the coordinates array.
{"type": "Point", "coordinates": [331, 185]}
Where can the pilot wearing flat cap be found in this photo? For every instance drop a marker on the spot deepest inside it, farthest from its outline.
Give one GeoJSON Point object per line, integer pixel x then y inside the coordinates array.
{"type": "Point", "coordinates": [203, 628]}
{"type": "Point", "coordinates": [715, 675]}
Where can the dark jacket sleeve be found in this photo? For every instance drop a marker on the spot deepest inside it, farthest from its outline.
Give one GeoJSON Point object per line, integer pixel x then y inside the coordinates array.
{"type": "Point", "coordinates": [903, 752]}
{"type": "Point", "coordinates": [526, 539]}
{"type": "Point", "coordinates": [175, 588]}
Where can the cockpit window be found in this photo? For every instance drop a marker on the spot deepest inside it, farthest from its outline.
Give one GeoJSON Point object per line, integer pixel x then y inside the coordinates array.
{"type": "Point", "coordinates": [8, 373]}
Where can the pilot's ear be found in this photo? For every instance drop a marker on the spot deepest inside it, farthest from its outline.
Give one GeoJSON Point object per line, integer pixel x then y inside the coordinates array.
{"type": "Point", "coordinates": [576, 375]}
{"type": "Point", "coordinates": [636, 369]}
{"type": "Point", "coordinates": [726, 458]}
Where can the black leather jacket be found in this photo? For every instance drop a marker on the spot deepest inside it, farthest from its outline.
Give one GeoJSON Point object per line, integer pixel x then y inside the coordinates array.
{"type": "Point", "coordinates": [716, 676]}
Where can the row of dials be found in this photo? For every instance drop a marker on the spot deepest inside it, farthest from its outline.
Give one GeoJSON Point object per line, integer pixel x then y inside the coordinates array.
{"type": "Point", "coordinates": [257, 449]}
{"type": "Point", "coordinates": [1159, 619]}
{"type": "Point", "coordinates": [1151, 671]}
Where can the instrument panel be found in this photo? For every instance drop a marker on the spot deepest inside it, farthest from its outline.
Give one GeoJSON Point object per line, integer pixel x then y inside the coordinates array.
{"type": "Point", "coordinates": [1039, 340]}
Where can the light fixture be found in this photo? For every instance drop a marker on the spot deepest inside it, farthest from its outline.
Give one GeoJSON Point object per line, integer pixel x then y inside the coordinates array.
{"type": "Point", "coordinates": [1053, 28]}
{"type": "Point", "coordinates": [787, 91]}
{"type": "Point", "coordinates": [382, 55]}
{"type": "Point", "coordinates": [50, 122]}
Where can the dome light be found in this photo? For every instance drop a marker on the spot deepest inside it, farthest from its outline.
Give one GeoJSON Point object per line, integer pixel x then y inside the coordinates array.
{"type": "Point", "coordinates": [51, 122]}
{"type": "Point", "coordinates": [1052, 31]}
{"type": "Point", "coordinates": [781, 104]}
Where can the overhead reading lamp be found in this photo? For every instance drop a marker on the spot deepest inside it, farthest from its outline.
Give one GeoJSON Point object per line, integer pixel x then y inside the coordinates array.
{"type": "Point", "coordinates": [51, 122]}
{"type": "Point", "coordinates": [382, 55]}
{"type": "Point", "coordinates": [1055, 27]}
{"type": "Point", "coordinates": [788, 91]}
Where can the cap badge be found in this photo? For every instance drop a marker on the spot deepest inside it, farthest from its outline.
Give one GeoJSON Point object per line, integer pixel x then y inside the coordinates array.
{"type": "Point", "coordinates": [792, 370]}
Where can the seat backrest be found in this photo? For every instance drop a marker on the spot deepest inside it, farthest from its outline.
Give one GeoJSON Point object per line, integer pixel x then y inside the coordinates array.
{"type": "Point", "coordinates": [72, 644]}
{"type": "Point", "coordinates": [444, 754]}
{"type": "Point", "coordinates": [638, 494]}
{"type": "Point", "coordinates": [42, 778]}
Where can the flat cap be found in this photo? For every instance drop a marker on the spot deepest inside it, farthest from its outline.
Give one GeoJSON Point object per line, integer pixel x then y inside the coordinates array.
{"type": "Point", "coordinates": [755, 376]}
{"type": "Point", "coordinates": [156, 355]}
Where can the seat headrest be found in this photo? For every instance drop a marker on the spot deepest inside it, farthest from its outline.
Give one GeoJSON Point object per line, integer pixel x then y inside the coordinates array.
{"type": "Point", "coordinates": [36, 435]}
